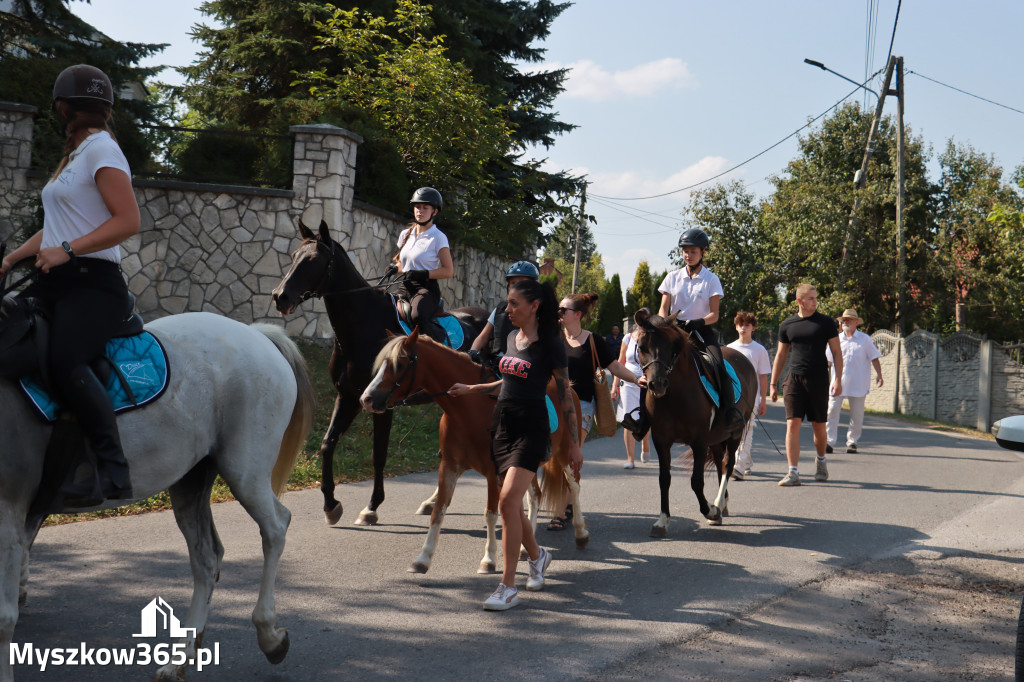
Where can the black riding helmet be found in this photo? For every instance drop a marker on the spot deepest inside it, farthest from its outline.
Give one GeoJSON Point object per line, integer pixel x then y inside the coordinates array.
{"type": "Point", "coordinates": [523, 268]}
{"type": "Point", "coordinates": [694, 237]}
{"type": "Point", "coordinates": [83, 82]}
{"type": "Point", "coordinates": [427, 195]}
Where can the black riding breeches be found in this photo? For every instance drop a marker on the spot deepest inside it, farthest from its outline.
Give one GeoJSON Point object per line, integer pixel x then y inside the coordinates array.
{"type": "Point", "coordinates": [87, 300]}
{"type": "Point", "coordinates": [424, 300]}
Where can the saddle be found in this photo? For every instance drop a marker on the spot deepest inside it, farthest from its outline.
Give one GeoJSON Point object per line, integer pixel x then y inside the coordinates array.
{"type": "Point", "coordinates": [448, 328]}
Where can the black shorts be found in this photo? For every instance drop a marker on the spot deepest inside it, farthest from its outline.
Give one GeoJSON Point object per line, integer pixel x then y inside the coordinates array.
{"type": "Point", "coordinates": [521, 437]}
{"type": "Point", "coordinates": [806, 397]}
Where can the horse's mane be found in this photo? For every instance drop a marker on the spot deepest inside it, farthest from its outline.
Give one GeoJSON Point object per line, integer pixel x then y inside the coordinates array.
{"type": "Point", "coordinates": [392, 351]}
{"type": "Point", "coordinates": [657, 323]}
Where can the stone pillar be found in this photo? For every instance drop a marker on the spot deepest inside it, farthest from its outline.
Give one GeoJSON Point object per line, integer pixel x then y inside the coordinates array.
{"type": "Point", "coordinates": [15, 159]}
{"type": "Point", "coordinates": [324, 180]}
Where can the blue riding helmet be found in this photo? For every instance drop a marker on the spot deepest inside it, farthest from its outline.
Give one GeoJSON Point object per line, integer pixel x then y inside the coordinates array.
{"type": "Point", "coordinates": [523, 268]}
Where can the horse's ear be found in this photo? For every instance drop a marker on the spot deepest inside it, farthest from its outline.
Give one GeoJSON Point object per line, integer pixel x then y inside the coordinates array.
{"type": "Point", "coordinates": [414, 335]}
{"type": "Point", "coordinates": [390, 334]}
{"type": "Point", "coordinates": [304, 231]}
{"type": "Point", "coordinates": [642, 316]}
{"type": "Point", "coordinates": [325, 232]}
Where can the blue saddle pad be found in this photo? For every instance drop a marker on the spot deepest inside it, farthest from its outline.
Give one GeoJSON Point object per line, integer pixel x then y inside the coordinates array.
{"type": "Point", "coordinates": [552, 414]}
{"type": "Point", "coordinates": [449, 323]}
{"type": "Point", "coordinates": [140, 360]}
{"type": "Point", "coordinates": [711, 390]}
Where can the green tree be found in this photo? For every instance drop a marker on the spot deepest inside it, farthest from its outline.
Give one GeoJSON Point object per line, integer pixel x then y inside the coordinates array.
{"type": "Point", "coordinates": [979, 261]}
{"type": "Point", "coordinates": [806, 219]}
{"type": "Point", "coordinates": [641, 293]}
{"type": "Point", "coordinates": [590, 279]}
{"type": "Point", "coordinates": [40, 38]}
{"type": "Point", "coordinates": [561, 243]}
{"type": "Point", "coordinates": [611, 309]}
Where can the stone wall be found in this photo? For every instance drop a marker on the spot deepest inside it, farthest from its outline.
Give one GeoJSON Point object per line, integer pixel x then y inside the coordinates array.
{"type": "Point", "coordinates": [224, 248]}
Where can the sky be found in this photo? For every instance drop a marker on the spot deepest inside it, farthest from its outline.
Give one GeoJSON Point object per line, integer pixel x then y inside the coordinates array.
{"type": "Point", "coordinates": [669, 93]}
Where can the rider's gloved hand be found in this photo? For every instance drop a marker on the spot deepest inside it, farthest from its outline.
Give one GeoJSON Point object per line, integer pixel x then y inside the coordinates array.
{"type": "Point", "coordinates": [474, 355]}
{"type": "Point", "coordinates": [417, 275]}
{"type": "Point", "coordinates": [392, 269]}
{"type": "Point", "coordinates": [693, 325]}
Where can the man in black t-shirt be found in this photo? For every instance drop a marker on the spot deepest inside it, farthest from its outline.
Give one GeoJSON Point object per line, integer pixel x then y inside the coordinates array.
{"type": "Point", "coordinates": [806, 389]}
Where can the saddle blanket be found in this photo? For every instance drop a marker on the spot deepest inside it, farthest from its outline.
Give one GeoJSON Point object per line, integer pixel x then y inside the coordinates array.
{"type": "Point", "coordinates": [141, 376]}
{"type": "Point", "coordinates": [552, 414]}
{"type": "Point", "coordinates": [451, 325]}
{"type": "Point", "coordinates": [711, 390]}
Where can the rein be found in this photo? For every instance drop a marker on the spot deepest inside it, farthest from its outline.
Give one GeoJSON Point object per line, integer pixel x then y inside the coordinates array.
{"type": "Point", "coordinates": [419, 396]}
{"type": "Point", "coordinates": [318, 291]}
{"type": "Point", "coordinates": [4, 289]}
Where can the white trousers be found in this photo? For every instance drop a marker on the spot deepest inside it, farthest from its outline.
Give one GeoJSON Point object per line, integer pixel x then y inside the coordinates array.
{"type": "Point", "coordinates": [743, 460]}
{"type": "Point", "coordinates": [835, 404]}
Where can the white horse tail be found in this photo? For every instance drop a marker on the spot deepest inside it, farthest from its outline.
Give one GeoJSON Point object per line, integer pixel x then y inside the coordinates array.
{"type": "Point", "coordinates": [302, 414]}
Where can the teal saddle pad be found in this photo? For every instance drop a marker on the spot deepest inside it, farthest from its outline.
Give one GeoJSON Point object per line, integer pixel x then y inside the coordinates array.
{"type": "Point", "coordinates": [140, 376]}
{"type": "Point", "coordinates": [451, 327]}
{"type": "Point", "coordinates": [712, 391]}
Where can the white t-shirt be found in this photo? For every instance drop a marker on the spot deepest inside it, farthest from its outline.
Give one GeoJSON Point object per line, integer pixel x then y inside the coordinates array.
{"type": "Point", "coordinates": [758, 356]}
{"type": "Point", "coordinates": [72, 204]}
{"type": "Point", "coordinates": [858, 352]}
{"type": "Point", "coordinates": [422, 251]}
{"type": "Point", "coordinates": [691, 296]}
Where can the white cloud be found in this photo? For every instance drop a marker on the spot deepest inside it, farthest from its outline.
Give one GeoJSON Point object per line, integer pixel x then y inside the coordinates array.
{"type": "Point", "coordinates": [641, 184]}
{"type": "Point", "coordinates": [590, 81]}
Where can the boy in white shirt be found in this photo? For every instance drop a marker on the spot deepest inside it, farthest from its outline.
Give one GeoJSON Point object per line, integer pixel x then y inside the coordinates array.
{"type": "Point", "coordinates": [746, 323]}
{"type": "Point", "coordinates": [859, 355]}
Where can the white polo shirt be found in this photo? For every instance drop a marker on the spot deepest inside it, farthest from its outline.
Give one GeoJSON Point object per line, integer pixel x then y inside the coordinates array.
{"type": "Point", "coordinates": [421, 251]}
{"type": "Point", "coordinates": [691, 296]}
{"type": "Point", "coordinates": [858, 352]}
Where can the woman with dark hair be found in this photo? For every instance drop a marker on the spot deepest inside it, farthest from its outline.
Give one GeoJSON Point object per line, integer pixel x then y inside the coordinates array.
{"type": "Point", "coordinates": [89, 209]}
{"type": "Point", "coordinates": [582, 359]}
{"type": "Point", "coordinates": [521, 441]}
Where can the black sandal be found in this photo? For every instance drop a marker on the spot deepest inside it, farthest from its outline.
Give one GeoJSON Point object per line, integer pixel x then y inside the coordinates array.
{"type": "Point", "coordinates": [557, 524]}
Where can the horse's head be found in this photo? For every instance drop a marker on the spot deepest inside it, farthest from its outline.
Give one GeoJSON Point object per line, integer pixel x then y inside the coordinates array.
{"type": "Point", "coordinates": [660, 344]}
{"type": "Point", "coordinates": [394, 373]}
{"type": "Point", "coordinates": [310, 270]}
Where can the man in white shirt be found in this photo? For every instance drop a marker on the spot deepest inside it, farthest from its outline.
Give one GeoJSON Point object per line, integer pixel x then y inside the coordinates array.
{"type": "Point", "coordinates": [859, 355]}
{"type": "Point", "coordinates": [746, 323]}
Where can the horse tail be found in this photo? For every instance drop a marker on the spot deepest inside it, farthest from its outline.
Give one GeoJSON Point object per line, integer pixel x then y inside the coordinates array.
{"type": "Point", "coordinates": [302, 413]}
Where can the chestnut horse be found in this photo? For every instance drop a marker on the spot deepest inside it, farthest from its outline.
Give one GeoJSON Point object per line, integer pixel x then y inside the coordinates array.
{"type": "Point", "coordinates": [680, 411]}
{"type": "Point", "coordinates": [413, 365]}
{"type": "Point", "coordinates": [361, 316]}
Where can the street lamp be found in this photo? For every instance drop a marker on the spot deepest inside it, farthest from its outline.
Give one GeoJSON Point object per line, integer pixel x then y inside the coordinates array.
{"type": "Point", "coordinates": [825, 68]}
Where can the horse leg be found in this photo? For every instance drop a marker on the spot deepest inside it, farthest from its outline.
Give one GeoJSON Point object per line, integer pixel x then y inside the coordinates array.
{"type": "Point", "coordinates": [258, 499]}
{"type": "Point", "coordinates": [341, 419]}
{"type": "Point", "coordinates": [427, 506]}
{"type": "Point", "coordinates": [700, 456]}
{"type": "Point", "coordinates": [190, 498]}
{"type": "Point", "coordinates": [579, 525]}
{"type": "Point", "coordinates": [724, 467]}
{"type": "Point", "coordinates": [488, 563]}
{"type": "Point", "coordinates": [664, 450]}
{"type": "Point", "coordinates": [447, 477]}
{"type": "Point", "coordinates": [381, 436]}
{"type": "Point", "coordinates": [13, 559]}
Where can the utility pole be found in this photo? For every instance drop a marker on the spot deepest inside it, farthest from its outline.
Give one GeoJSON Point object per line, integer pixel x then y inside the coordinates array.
{"type": "Point", "coordinates": [900, 245]}
{"type": "Point", "coordinates": [579, 228]}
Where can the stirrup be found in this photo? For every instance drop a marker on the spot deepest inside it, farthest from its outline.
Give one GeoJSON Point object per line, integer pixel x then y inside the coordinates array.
{"type": "Point", "coordinates": [638, 426]}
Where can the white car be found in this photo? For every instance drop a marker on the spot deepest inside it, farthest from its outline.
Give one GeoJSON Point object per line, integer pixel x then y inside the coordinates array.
{"type": "Point", "coordinates": [1009, 432]}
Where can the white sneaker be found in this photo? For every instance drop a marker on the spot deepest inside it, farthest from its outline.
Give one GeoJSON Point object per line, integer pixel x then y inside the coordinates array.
{"type": "Point", "coordinates": [537, 567]}
{"type": "Point", "coordinates": [502, 599]}
{"type": "Point", "coordinates": [790, 479]}
{"type": "Point", "coordinates": [628, 465]}
{"type": "Point", "coordinates": [645, 456]}
{"type": "Point", "coordinates": [821, 472]}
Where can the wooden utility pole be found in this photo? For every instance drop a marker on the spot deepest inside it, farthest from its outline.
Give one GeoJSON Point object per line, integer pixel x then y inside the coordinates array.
{"type": "Point", "coordinates": [900, 245]}
{"type": "Point", "coordinates": [579, 228]}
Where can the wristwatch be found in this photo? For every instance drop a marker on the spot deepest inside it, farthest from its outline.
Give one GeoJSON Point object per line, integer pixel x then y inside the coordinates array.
{"type": "Point", "coordinates": [67, 249]}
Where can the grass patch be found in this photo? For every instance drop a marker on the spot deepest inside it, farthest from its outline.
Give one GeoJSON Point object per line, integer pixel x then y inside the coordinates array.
{"type": "Point", "coordinates": [413, 446]}
{"type": "Point", "coordinates": [934, 425]}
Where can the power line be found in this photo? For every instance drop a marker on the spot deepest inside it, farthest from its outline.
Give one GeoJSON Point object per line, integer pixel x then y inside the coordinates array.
{"type": "Point", "coordinates": [742, 163]}
{"type": "Point", "coordinates": [894, 23]}
{"type": "Point", "coordinates": [970, 94]}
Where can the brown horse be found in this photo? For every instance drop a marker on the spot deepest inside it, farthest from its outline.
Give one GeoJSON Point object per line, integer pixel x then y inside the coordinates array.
{"type": "Point", "coordinates": [681, 412]}
{"type": "Point", "coordinates": [417, 367]}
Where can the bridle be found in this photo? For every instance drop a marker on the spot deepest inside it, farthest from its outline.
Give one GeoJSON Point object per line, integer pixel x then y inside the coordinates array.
{"type": "Point", "coordinates": [668, 365]}
{"type": "Point", "coordinates": [321, 289]}
{"type": "Point", "coordinates": [419, 396]}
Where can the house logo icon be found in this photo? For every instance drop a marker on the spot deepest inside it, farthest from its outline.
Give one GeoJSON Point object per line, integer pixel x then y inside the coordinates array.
{"type": "Point", "coordinates": [158, 615]}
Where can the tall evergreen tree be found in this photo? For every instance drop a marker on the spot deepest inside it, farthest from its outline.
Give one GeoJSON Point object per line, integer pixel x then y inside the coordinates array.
{"type": "Point", "coordinates": [611, 309]}
{"type": "Point", "coordinates": [641, 293]}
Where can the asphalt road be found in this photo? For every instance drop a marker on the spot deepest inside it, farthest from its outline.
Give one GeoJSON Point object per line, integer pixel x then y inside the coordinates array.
{"type": "Point", "coordinates": [616, 610]}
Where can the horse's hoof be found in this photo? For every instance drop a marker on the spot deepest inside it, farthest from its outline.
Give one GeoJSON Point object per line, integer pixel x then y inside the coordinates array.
{"type": "Point", "coordinates": [333, 515]}
{"type": "Point", "coordinates": [486, 567]}
{"type": "Point", "coordinates": [280, 651]}
{"type": "Point", "coordinates": [426, 509]}
{"type": "Point", "coordinates": [417, 567]}
{"type": "Point", "coordinates": [366, 518]}
{"type": "Point", "coordinates": [583, 541]}
{"type": "Point", "coordinates": [714, 516]}
{"type": "Point", "coordinates": [659, 532]}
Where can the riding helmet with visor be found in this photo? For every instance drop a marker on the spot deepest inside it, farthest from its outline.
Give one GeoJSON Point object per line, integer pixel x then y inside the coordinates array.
{"type": "Point", "coordinates": [694, 237]}
{"type": "Point", "coordinates": [523, 268]}
{"type": "Point", "coordinates": [83, 82]}
{"type": "Point", "coordinates": [427, 195]}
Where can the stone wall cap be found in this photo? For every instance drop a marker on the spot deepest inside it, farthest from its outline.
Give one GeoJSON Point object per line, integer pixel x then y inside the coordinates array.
{"type": "Point", "coordinates": [17, 106]}
{"type": "Point", "coordinates": [326, 129]}
{"type": "Point", "coordinates": [209, 187]}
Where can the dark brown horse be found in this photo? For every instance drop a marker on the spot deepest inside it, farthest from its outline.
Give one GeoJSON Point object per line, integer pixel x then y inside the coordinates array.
{"type": "Point", "coordinates": [361, 316]}
{"type": "Point", "coordinates": [418, 366]}
{"type": "Point", "coordinates": [681, 412]}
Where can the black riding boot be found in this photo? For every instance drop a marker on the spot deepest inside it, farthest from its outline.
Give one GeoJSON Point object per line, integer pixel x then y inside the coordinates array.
{"type": "Point", "coordinates": [639, 425]}
{"type": "Point", "coordinates": [90, 403]}
{"type": "Point", "coordinates": [435, 331]}
{"type": "Point", "coordinates": [731, 415]}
